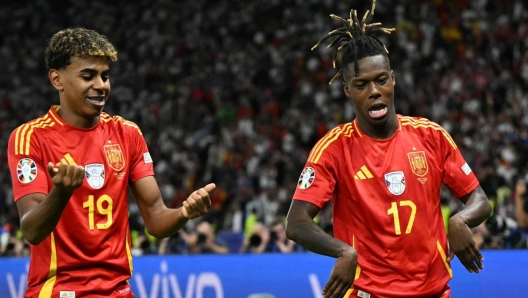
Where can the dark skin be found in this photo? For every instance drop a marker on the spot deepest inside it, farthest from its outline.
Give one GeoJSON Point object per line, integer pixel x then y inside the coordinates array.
{"type": "Point", "coordinates": [83, 87]}
{"type": "Point", "coordinates": [372, 92]}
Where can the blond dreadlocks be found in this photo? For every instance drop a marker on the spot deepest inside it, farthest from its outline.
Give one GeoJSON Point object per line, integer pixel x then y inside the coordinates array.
{"type": "Point", "coordinates": [356, 39]}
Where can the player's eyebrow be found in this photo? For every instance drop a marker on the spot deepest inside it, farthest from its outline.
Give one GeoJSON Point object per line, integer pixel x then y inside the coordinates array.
{"type": "Point", "coordinates": [93, 71]}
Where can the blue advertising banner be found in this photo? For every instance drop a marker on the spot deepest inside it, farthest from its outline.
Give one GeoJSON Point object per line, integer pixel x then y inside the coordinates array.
{"type": "Point", "coordinates": [275, 276]}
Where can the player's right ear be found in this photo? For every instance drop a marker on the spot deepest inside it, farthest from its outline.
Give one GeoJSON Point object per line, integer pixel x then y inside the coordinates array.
{"type": "Point", "coordinates": [55, 79]}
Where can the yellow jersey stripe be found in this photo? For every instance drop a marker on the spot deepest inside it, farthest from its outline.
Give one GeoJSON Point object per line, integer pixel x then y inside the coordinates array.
{"type": "Point", "coordinates": [347, 130]}
{"type": "Point", "coordinates": [17, 137]}
{"type": "Point", "coordinates": [42, 124]}
{"type": "Point", "coordinates": [62, 161]}
{"type": "Point", "coordinates": [444, 258]}
{"type": "Point", "coordinates": [25, 139]}
{"type": "Point", "coordinates": [55, 118]}
{"type": "Point", "coordinates": [366, 171]}
{"type": "Point", "coordinates": [132, 124]}
{"type": "Point", "coordinates": [326, 144]}
{"type": "Point", "coordinates": [47, 289]}
{"type": "Point", "coordinates": [357, 129]}
{"type": "Point", "coordinates": [70, 160]}
{"type": "Point", "coordinates": [320, 143]}
{"type": "Point", "coordinates": [439, 128]}
{"type": "Point", "coordinates": [129, 254]}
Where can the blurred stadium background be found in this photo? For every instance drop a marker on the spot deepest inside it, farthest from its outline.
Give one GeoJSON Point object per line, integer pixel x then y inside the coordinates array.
{"type": "Point", "coordinates": [229, 92]}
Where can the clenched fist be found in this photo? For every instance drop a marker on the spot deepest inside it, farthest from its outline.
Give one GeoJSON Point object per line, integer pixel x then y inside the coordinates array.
{"type": "Point", "coordinates": [66, 177]}
{"type": "Point", "coordinates": [198, 202]}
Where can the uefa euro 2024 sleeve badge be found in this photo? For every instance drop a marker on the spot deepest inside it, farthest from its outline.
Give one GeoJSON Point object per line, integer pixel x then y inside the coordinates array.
{"type": "Point", "coordinates": [307, 178]}
{"type": "Point", "coordinates": [26, 170]}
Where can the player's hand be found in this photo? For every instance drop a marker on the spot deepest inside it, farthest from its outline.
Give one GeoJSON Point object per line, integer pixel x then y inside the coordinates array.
{"type": "Point", "coordinates": [342, 275]}
{"type": "Point", "coordinates": [198, 202]}
{"type": "Point", "coordinates": [67, 178]}
{"type": "Point", "coordinates": [520, 188]}
{"type": "Point", "coordinates": [462, 244]}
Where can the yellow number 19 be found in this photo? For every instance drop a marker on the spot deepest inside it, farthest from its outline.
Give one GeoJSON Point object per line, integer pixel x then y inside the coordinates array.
{"type": "Point", "coordinates": [102, 210]}
{"type": "Point", "coordinates": [394, 211]}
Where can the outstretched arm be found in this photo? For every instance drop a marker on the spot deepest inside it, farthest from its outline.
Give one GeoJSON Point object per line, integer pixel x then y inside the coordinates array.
{"type": "Point", "coordinates": [461, 243]}
{"type": "Point", "coordinates": [301, 228]}
{"type": "Point", "coordinates": [161, 221]}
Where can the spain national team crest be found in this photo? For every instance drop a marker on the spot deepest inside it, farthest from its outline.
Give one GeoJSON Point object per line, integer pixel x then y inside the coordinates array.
{"type": "Point", "coordinates": [114, 156]}
{"type": "Point", "coordinates": [307, 178]}
{"type": "Point", "coordinates": [95, 175]}
{"type": "Point", "coordinates": [26, 170]}
{"type": "Point", "coordinates": [418, 163]}
{"type": "Point", "coordinates": [395, 182]}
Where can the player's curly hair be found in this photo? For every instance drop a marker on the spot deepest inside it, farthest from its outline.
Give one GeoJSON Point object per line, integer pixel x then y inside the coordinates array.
{"type": "Point", "coordinates": [77, 42]}
{"type": "Point", "coordinates": [356, 40]}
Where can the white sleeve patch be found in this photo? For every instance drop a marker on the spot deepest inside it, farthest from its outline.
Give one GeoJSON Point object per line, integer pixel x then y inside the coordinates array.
{"type": "Point", "coordinates": [147, 158]}
{"type": "Point", "coordinates": [466, 169]}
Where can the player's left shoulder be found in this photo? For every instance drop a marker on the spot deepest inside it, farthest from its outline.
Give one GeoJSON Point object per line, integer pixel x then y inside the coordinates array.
{"type": "Point", "coordinates": [120, 123]}
{"type": "Point", "coordinates": [420, 125]}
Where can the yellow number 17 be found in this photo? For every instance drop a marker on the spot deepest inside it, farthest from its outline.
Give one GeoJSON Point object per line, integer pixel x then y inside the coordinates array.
{"type": "Point", "coordinates": [394, 211]}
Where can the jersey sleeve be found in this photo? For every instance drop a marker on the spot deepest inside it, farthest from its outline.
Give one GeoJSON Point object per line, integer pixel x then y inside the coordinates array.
{"type": "Point", "coordinates": [141, 164]}
{"type": "Point", "coordinates": [457, 174]}
{"type": "Point", "coordinates": [317, 181]}
{"type": "Point", "coordinates": [28, 170]}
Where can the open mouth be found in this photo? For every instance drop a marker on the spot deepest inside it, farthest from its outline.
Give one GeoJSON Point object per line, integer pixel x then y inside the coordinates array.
{"type": "Point", "coordinates": [378, 111]}
{"type": "Point", "coordinates": [97, 100]}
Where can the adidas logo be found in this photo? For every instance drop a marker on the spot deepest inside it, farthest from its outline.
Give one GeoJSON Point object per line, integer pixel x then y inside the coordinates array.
{"type": "Point", "coordinates": [67, 159]}
{"type": "Point", "coordinates": [363, 174]}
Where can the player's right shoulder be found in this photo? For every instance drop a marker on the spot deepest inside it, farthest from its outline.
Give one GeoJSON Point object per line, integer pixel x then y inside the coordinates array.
{"type": "Point", "coordinates": [24, 135]}
{"type": "Point", "coordinates": [331, 141]}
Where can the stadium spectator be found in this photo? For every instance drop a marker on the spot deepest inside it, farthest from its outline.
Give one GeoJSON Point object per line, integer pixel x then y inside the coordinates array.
{"type": "Point", "coordinates": [383, 173]}
{"type": "Point", "coordinates": [203, 240]}
{"type": "Point", "coordinates": [278, 240]}
{"type": "Point", "coordinates": [258, 241]}
{"type": "Point", "coordinates": [84, 222]}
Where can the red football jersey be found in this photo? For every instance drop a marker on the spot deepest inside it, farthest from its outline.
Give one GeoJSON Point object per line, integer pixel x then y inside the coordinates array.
{"type": "Point", "coordinates": [386, 202]}
{"type": "Point", "coordinates": [88, 254]}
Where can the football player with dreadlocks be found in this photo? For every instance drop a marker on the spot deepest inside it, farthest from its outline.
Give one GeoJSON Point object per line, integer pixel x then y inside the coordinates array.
{"type": "Point", "coordinates": [383, 173]}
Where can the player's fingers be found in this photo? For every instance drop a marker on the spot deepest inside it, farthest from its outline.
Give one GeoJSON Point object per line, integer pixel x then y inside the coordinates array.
{"type": "Point", "coordinates": [78, 175]}
{"type": "Point", "coordinates": [194, 206]}
{"type": "Point", "coordinates": [52, 170]}
{"type": "Point", "coordinates": [210, 187]}
{"type": "Point", "coordinates": [478, 257]}
{"type": "Point", "coordinates": [451, 256]}
{"type": "Point", "coordinates": [185, 210]}
{"type": "Point", "coordinates": [340, 290]}
{"type": "Point", "coordinates": [474, 261]}
{"type": "Point", "coordinates": [466, 260]}
{"type": "Point", "coordinates": [330, 287]}
{"type": "Point", "coordinates": [203, 196]}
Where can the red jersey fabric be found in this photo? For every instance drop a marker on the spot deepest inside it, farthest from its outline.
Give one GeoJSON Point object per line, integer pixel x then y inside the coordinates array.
{"type": "Point", "coordinates": [89, 251]}
{"type": "Point", "coordinates": [386, 202]}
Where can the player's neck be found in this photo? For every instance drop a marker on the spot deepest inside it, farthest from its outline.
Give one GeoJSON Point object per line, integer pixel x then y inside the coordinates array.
{"type": "Point", "coordinates": [77, 120]}
{"type": "Point", "coordinates": [382, 131]}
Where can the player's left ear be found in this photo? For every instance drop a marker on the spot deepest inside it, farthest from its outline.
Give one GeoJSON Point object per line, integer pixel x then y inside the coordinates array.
{"type": "Point", "coordinates": [55, 79]}
{"type": "Point", "coordinates": [393, 78]}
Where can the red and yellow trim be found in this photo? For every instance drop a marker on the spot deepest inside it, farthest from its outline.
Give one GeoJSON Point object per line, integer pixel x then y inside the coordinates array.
{"type": "Point", "coordinates": [23, 133]}
{"type": "Point", "coordinates": [425, 123]}
{"type": "Point", "coordinates": [47, 288]}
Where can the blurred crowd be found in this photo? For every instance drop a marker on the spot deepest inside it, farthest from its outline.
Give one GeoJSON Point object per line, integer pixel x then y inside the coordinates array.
{"type": "Point", "coordinates": [229, 92]}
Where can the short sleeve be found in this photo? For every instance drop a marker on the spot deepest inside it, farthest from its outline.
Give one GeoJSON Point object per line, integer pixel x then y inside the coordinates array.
{"type": "Point", "coordinates": [141, 164]}
{"type": "Point", "coordinates": [457, 174]}
{"type": "Point", "coordinates": [317, 181]}
{"type": "Point", "coordinates": [27, 169]}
